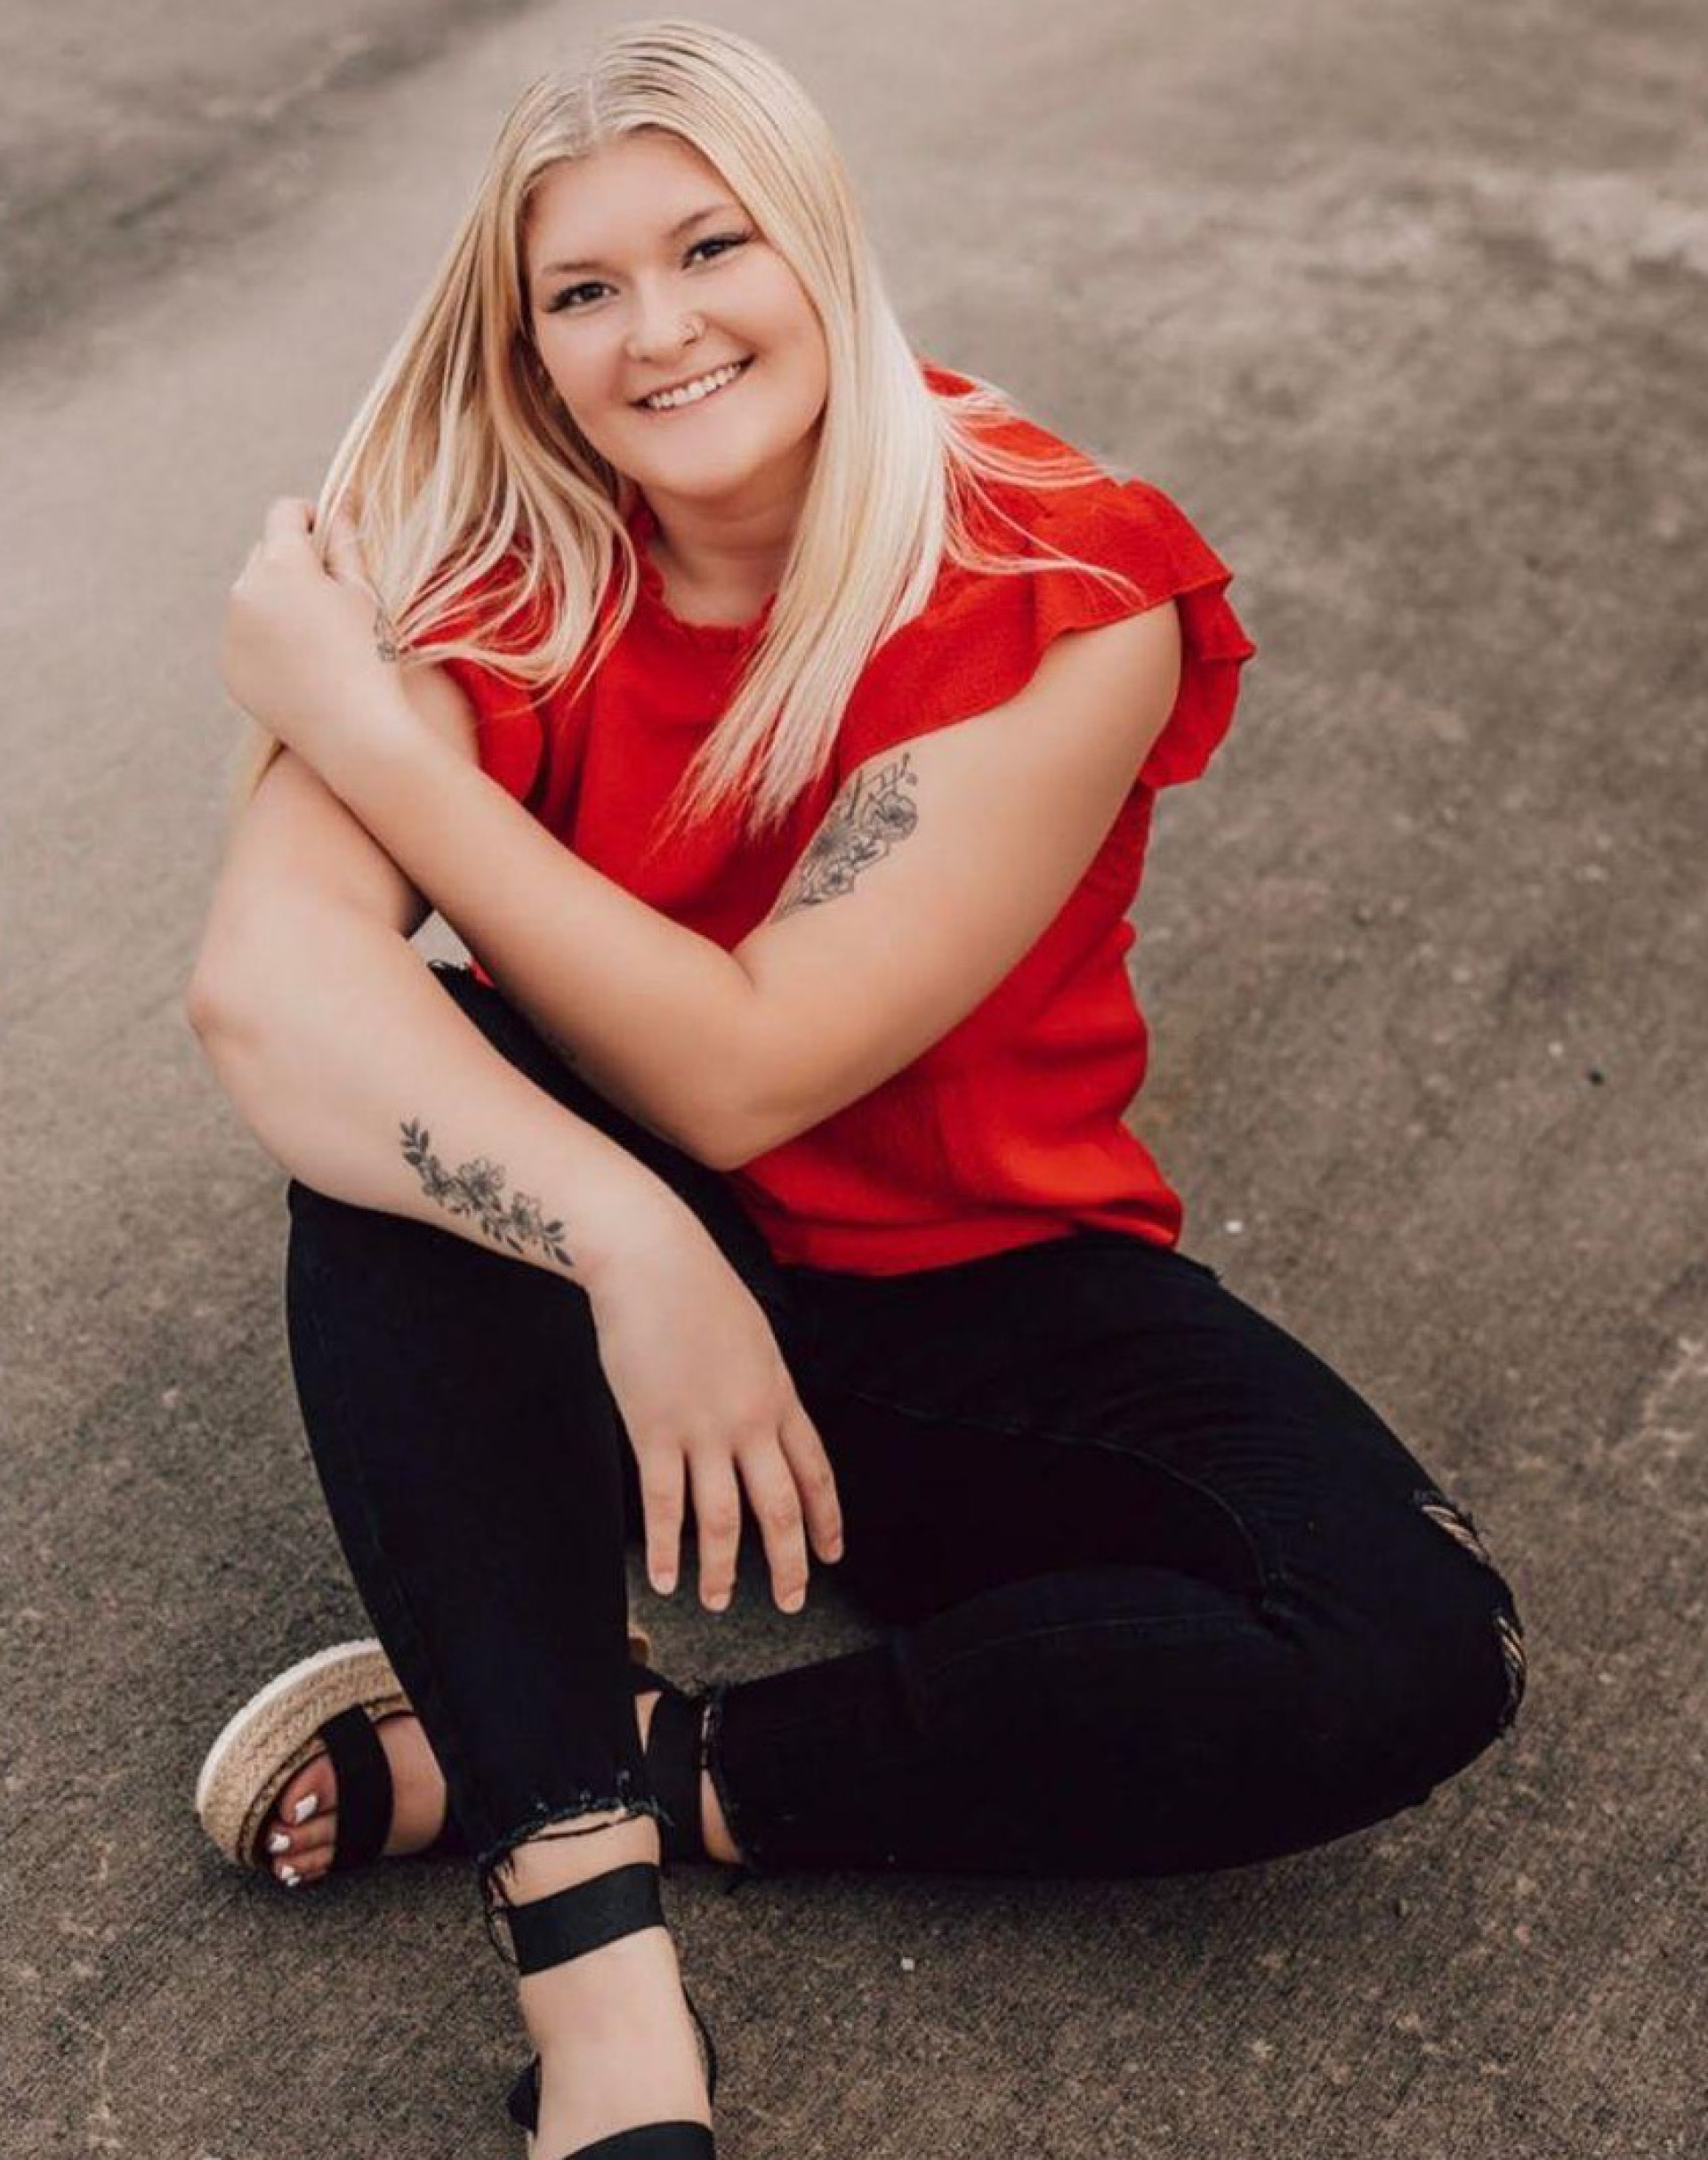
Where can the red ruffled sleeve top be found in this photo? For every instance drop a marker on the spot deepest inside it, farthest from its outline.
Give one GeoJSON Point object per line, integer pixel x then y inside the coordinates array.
{"type": "Point", "coordinates": [1009, 1129]}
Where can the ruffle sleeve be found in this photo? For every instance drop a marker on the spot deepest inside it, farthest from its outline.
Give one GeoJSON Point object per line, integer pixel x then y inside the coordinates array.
{"type": "Point", "coordinates": [980, 639]}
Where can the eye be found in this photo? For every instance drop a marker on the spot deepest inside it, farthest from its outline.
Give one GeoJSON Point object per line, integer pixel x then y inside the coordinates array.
{"type": "Point", "coordinates": [566, 301]}
{"type": "Point", "coordinates": [559, 302]}
{"type": "Point", "coordinates": [721, 239]}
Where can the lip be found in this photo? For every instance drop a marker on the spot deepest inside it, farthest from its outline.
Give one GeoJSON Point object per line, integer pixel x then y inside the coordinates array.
{"type": "Point", "coordinates": [640, 405]}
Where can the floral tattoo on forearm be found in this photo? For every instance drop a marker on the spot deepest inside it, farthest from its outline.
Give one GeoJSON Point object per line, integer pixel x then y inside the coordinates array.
{"type": "Point", "coordinates": [865, 822]}
{"type": "Point", "coordinates": [477, 1189]}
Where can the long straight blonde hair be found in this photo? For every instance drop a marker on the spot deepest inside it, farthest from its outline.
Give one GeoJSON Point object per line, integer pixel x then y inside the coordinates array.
{"type": "Point", "coordinates": [476, 496]}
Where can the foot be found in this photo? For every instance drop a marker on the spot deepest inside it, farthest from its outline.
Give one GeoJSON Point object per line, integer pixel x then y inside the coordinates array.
{"type": "Point", "coordinates": [611, 2026]}
{"type": "Point", "coordinates": [713, 1829]}
{"type": "Point", "coordinates": [418, 1804]}
{"type": "Point", "coordinates": [617, 2045]}
{"type": "Point", "coordinates": [298, 1837]}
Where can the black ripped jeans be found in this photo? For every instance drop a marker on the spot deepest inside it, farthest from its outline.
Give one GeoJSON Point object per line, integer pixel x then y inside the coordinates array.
{"type": "Point", "coordinates": [1154, 1588]}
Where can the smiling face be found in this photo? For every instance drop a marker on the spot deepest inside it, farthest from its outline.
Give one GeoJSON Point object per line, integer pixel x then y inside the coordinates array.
{"type": "Point", "coordinates": [628, 251]}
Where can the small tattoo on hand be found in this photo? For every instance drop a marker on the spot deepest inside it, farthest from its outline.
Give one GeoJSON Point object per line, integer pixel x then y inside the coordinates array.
{"type": "Point", "coordinates": [477, 1189]}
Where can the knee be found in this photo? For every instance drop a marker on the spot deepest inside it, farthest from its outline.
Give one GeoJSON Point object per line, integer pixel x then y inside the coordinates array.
{"type": "Point", "coordinates": [320, 1224]}
{"type": "Point", "coordinates": [1485, 1591]}
{"type": "Point", "coordinates": [1458, 1649]}
{"type": "Point", "coordinates": [331, 1245]}
{"type": "Point", "coordinates": [1480, 1649]}
{"type": "Point", "coordinates": [303, 1202]}
{"type": "Point", "coordinates": [311, 1216]}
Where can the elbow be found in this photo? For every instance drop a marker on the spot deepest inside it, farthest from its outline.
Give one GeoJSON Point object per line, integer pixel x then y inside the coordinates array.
{"type": "Point", "coordinates": [792, 1095]}
{"type": "Point", "coordinates": [240, 953]}
{"type": "Point", "coordinates": [216, 1004]}
{"type": "Point", "coordinates": [720, 1146]}
{"type": "Point", "coordinates": [751, 1130]}
{"type": "Point", "coordinates": [724, 1138]}
{"type": "Point", "coordinates": [726, 1154]}
{"type": "Point", "coordinates": [205, 1005]}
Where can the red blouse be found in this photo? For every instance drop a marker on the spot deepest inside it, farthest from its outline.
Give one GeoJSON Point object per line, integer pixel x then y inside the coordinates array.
{"type": "Point", "coordinates": [1008, 1130]}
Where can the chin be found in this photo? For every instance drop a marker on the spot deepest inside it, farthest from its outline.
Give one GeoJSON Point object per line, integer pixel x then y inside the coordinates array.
{"type": "Point", "coordinates": [713, 471]}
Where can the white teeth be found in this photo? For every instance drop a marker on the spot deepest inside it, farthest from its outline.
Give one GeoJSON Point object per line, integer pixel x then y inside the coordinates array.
{"type": "Point", "coordinates": [690, 393]}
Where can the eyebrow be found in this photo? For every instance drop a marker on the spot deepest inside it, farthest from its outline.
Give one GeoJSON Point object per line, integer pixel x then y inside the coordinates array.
{"type": "Point", "coordinates": [682, 225]}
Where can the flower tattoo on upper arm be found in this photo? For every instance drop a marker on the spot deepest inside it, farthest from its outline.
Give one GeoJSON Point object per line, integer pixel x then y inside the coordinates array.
{"type": "Point", "coordinates": [867, 818]}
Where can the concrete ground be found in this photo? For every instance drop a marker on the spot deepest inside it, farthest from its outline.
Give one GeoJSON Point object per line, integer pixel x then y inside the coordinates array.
{"type": "Point", "coordinates": [1406, 303]}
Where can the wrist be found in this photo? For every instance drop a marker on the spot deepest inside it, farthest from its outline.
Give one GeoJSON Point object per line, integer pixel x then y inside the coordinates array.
{"type": "Point", "coordinates": [645, 1220]}
{"type": "Point", "coordinates": [369, 737]}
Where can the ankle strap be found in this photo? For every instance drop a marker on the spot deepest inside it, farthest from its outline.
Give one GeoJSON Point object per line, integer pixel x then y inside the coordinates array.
{"type": "Point", "coordinates": [673, 1768]}
{"type": "Point", "coordinates": [552, 1931]}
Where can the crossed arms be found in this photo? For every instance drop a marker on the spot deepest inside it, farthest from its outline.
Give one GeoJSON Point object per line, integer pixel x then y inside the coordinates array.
{"type": "Point", "coordinates": [937, 866]}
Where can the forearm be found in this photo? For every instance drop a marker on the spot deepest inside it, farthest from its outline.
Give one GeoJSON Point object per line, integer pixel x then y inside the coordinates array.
{"type": "Point", "coordinates": [364, 1081]}
{"type": "Point", "coordinates": [661, 1020]}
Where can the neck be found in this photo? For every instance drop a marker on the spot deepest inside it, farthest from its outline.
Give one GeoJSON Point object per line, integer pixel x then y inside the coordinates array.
{"type": "Point", "coordinates": [735, 548]}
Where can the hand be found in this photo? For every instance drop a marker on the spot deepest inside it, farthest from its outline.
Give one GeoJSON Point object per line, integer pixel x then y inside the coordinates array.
{"type": "Point", "coordinates": [304, 646]}
{"type": "Point", "coordinates": [705, 1394]}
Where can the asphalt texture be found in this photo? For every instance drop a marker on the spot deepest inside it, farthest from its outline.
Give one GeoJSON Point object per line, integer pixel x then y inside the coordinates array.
{"type": "Point", "coordinates": [1406, 305]}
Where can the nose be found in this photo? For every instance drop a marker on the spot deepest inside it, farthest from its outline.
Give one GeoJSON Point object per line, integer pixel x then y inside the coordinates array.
{"type": "Point", "coordinates": [657, 331]}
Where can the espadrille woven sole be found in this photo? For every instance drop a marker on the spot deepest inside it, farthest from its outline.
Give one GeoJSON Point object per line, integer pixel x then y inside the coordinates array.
{"type": "Point", "coordinates": [263, 1744]}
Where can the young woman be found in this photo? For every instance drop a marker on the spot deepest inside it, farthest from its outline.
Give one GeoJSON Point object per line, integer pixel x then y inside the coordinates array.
{"type": "Point", "coordinates": [778, 718]}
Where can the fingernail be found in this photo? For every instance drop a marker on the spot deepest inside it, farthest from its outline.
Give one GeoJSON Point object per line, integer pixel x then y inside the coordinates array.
{"type": "Point", "coordinates": [305, 1808]}
{"type": "Point", "coordinates": [278, 1842]}
{"type": "Point", "coordinates": [718, 1601]}
{"type": "Point", "coordinates": [795, 1600]}
{"type": "Point", "coordinates": [664, 1585]}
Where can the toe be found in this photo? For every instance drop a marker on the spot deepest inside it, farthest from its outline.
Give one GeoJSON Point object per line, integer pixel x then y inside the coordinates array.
{"type": "Point", "coordinates": [320, 1830]}
{"type": "Point", "coordinates": [313, 1792]}
{"type": "Point", "coordinates": [295, 1870]}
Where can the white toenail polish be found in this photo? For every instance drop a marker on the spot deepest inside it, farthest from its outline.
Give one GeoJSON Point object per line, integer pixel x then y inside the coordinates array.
{"type": "Point", "coordinates": [305, 1808]}
{"type": "Point", "coordinates": [278, 1842]}
{"type": "Point", "coordinates": [290, 1875]}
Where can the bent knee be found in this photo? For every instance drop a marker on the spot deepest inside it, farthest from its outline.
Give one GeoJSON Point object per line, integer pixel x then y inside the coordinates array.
{"type": "Point", "coordinates": [1490, 1591]}
{"type": "Point", "coordinates": [1456, 1653]}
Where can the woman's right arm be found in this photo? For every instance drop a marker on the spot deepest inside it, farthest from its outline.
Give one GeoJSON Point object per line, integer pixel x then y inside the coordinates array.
{"type": "Point", "coordinates": [362, 1078]}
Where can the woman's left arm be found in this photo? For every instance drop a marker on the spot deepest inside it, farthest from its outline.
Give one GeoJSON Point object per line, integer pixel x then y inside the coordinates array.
{"type": "Point", "coordinates": [947, 855]}
{"type": "Point", "coordinates": [657, 1017]}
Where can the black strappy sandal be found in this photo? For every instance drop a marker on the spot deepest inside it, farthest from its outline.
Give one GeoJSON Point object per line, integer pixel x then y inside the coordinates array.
{"type": "Point", "coordinates": [552, 1931]}
{"type": "Point", "coordinates": [332, 1700]}
{"type": "Point", "coordinates": [365, 1793]}
{"type": "Point", "coordinates": [675, 1759]}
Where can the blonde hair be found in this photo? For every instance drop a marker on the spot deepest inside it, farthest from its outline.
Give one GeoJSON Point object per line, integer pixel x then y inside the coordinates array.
{"type": "Point", "coordinates": [475, 492]}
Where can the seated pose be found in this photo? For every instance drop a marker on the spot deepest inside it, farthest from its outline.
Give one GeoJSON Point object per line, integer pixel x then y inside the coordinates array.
{"type": "Point", "coordinates": [778, 717]}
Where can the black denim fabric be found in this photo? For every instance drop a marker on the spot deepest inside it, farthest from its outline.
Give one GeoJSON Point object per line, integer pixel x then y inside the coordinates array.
{"type": "Point", "coordinates": [1153, 1588]}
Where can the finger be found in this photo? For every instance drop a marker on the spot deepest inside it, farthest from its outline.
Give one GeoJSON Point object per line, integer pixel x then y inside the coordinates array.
{"type": "Point", "coordinates": [717, 1526]}
{"type": "Point", "coordinates": [661, 1501]}
{"type": "Point", "coordinates": [814, 1479]}
{"type": "Point", "coordinates": [344, 550]}
{"type": "Point", "coordinates": [288, 519]}
{"type": "Point", "coordinates": [776, 1510]}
